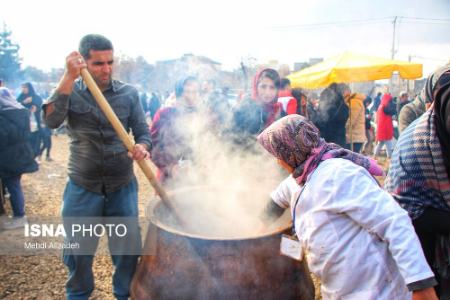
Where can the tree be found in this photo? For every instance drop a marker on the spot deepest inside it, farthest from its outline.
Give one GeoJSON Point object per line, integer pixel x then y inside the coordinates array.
{"type": "Point", "coordinates": [9, 58]}
{"type": "Point", "coordinates": [55, 74]}
{"type": "Point", "coordinates": [135, 71]}
{"type": "Point", "coordinates": [143, 72]}
{"type": "Point", "coordinates": [34, 74]}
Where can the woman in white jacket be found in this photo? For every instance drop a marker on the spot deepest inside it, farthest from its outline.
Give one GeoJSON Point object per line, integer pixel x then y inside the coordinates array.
{"type": "Point", "coordinates": [356, 238]}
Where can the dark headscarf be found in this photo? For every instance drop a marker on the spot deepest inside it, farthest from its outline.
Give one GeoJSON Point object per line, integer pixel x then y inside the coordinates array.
{"type": "Point", "coordinates": [296, 141]}
{"type": "Point", "coordinates": [31, 91]}
{"type": "Point", "coordinates": [36, 99]}
{"type": "Point", "coordinates": [437, 90]}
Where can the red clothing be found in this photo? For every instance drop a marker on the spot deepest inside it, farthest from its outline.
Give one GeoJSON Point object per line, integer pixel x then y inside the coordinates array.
{"type": "Point", "coordinates": [288, 103]}
{"type": "Point", "coordinates": [169, 143]}
{"type": "Point", "coordinates": [385, 129]}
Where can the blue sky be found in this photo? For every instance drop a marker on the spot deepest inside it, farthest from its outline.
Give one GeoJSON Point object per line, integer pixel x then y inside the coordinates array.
{"type": "Point", "coordinates": [229, 31]}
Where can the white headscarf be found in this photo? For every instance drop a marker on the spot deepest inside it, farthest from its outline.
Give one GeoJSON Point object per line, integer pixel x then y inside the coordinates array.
{"type": "Point", "coordinates": [7, 101]}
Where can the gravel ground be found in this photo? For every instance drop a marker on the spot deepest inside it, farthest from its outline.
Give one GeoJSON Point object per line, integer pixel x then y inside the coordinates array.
{"type": "Point", "coordinates": [42, 277]}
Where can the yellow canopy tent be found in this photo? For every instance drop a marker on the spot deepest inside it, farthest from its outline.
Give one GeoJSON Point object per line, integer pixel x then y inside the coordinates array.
{"type": "Point", "coordinates": [350, 67]}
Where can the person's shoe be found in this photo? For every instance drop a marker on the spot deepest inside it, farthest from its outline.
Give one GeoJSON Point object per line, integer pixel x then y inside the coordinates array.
{"type": "Point", "coordinates": [48, 158]}
{"type": "Point", "coordinates": [3, 218]}
{"type": "Point", "coordinates": [14, 223]}
{"type": "Point", "coordinates": [38, 159]}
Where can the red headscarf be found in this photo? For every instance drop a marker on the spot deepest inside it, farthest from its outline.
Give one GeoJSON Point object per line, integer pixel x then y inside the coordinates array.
{"type": "Point", "coordinates": [272, 109]}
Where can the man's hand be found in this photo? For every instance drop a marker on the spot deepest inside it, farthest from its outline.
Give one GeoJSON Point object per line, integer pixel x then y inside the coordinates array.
{"type": "Point", "coordinates": [425, 294]}
{"type": "Point", "coordinates": [139, 152]}
{"type": "Point", "coordinates": [74, 64]}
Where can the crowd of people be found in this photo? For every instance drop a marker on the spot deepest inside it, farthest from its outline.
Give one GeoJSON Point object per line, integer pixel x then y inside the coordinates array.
{"type": "Point", "coordinates": [24, 137]}
{"type": "Point", "coordinates": [362, 241]}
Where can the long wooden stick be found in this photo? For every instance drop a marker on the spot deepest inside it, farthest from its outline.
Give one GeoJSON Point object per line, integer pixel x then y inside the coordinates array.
{"type": "Point", "coordinates": [123, 135]}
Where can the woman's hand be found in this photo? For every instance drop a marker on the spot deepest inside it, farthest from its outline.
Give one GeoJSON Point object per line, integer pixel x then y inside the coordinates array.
{"type": "Point", "coordinates": [425, 294]}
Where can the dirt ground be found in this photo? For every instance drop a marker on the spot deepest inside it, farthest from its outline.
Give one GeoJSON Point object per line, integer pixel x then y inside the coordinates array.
{"type": "Point", "coordinates": [43, 277]}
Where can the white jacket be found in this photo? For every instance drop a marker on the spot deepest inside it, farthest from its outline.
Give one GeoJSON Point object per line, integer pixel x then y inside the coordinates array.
{"type": "Point", "coordinates": [357, 239]}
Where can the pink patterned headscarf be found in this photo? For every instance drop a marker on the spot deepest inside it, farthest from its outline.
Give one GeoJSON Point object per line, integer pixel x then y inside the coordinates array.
{"type": "Point", "coordinates": [296, 141]}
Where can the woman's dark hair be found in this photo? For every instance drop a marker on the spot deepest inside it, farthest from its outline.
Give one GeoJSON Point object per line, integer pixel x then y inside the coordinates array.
{"type": "Point", "coordinates": [333, 86]}
{"type": "Point", "coordinates": [342, 87]}
{"type": "Point", "coordinates": [367, 101]}
{"type": "Point", "coordinates": [284, 82]}
{"type": "Point", "coordinates": [95, 42]}
{"type": "Point", "coordinates": [179, 86]}
{"type": "Point", "coordinates": [271, 74]}
{"type": "Point", "coordinates": [298, 93]}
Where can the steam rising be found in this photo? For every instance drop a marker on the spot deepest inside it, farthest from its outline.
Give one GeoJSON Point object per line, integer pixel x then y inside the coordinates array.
{"type": "Point", "coordinates": [221, 188]}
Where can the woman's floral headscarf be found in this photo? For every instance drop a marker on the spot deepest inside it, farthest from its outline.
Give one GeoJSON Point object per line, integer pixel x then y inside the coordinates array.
{"type": "Point", "coordinates": [296, 141]}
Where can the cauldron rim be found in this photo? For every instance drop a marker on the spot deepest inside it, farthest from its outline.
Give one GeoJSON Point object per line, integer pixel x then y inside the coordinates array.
{"type": "Point", "coordinates": [153, 205]}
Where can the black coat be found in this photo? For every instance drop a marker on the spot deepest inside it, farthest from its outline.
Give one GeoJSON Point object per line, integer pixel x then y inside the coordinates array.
{"type": "Point", "coordinates": [249, 118]}
{"type": "Point", "coordinates": [36, 101]}
{"type": "Point", "coordinates": [332, 115]}
{"type": "Point", "coordinates": [16, 154]}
